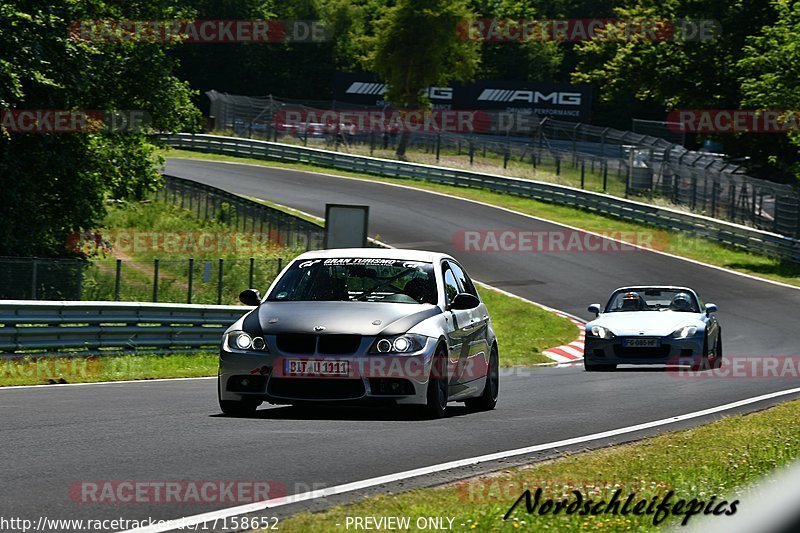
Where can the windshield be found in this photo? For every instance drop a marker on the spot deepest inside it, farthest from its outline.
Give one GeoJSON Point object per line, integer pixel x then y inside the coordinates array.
{"type": "Point", "coordinates": [652, 299]}
{"type": "Point", "coordinates": [357, 279]}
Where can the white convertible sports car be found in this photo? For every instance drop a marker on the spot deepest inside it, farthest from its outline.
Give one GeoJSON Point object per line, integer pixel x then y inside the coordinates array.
{"type": "Point", "coordinates": [652, 325]}
{"type": "Point", "coordinates": [395, 326]}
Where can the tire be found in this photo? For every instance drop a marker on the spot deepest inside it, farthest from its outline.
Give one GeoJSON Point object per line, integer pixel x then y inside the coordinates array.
{"type": "Point", "coordinates": [488, 399]}
{"type": "Point", "coordinates": [705, 362]}
{"type": "Point", "coordinates": [436, 406]}
{"type": "Point", "coordinates": [718, 352]}
{"type": "Point", "coordinates": [597, 367]}
{"type": "Point", "coordinates": [238, 409]}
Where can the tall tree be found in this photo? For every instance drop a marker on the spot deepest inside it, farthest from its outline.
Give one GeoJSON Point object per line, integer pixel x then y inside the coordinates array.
{"type": "Point", "coordinates": [416, 45]}
{"type": "Point", "coordinates": [54, 183]}
{"type": "Point", "coordinates": [768, 73]}
{"type": "Point", "coordinates": [689, 74]}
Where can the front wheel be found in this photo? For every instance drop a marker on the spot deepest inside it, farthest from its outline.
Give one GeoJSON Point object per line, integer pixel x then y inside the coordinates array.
{"type": "Point", "coordinates": [595, 367]}
{"type": "Point", "coordinates": [238, 409]}
{"type": "Point", "coordinates": [706, 361]}
{"type": "Point", "coordinates": [436, 406]}
{"type": "Point", "coordinates": [717, 361]}
{"type": "Point", "coordinates": [488, 400]}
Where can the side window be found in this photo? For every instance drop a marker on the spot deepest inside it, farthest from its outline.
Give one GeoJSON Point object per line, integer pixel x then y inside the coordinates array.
{"type": "Point", "coordinates": [451, 288]}
{"type": "Point", "coordinates": [463, 279]}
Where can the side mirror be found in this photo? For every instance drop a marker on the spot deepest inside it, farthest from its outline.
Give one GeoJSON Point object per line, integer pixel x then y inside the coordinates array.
{"type": "Point", "coordinates": [711, 308]}
{"type": "Point", "coordinates": [250, 297]}
{"type": "Point", "coordinates": [465, 301]}
{"type": "Point", "coordinates": [594, 308]}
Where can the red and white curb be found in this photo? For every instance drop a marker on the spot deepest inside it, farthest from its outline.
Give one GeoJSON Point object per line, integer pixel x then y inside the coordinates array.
{"type": "Point", "coordinates": [572, 352]}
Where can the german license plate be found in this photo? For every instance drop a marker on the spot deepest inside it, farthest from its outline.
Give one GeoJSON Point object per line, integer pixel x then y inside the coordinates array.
{"type": "Point", "coordinates": [315, 367]}
{"type": "Point", "coordinates": [642, 343]}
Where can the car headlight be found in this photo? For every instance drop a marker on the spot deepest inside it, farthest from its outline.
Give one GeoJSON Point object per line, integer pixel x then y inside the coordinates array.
{"type": "Point", "coordinates": [239, 341]}
{"type": "Point", "coordinates": [408, 343]}
{"type": "Point", "coordinates": [685, 331]}
{"type": "Point", "coordinates": [601, 332]}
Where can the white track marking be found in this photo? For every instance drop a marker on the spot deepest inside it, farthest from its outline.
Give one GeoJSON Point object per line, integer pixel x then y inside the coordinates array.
{"type": "Point", "coordinates": [485, 204]}
{"type": "Point", "coordinates": [391, 478]}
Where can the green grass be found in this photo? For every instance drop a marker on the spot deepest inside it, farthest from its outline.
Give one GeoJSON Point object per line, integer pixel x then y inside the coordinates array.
{"type": "Point", "coordinates": [32, 370]}
{"type": "Point", "coordinates": [524, 330]}
{"type": "Point", "coordinates": [672, 242]}
{"type": "Point", "coordinates": [719, 459]}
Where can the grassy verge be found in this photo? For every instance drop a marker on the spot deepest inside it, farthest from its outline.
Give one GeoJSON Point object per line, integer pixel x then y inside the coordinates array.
{"type": "Point", "coordinates": [32, 370]}
{"type": "Point", "coordinates": [691, 463]}
{"type": "Point", "coordinates": [524, 330]}
{"type": "Point", "coordinates": [671, 242]}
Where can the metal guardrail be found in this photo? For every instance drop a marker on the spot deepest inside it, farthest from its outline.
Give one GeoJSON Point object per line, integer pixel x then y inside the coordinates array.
{"type": "Point", "coordinates": [98, 327]}
{"type": "Point", "coordinates": [726, 233]}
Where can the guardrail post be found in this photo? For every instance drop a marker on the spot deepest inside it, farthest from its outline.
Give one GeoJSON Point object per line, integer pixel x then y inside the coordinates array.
{"type": "Point", "coordinates": [605, 175]}
{"type": "Point", "coordinates": [155, 280]}
{"type": "Point", "coordinates": [506, 155]}
{"type": "Point", "coordinates": [438, 146]}
{"type": "Point", "coordinates": [117, 279]}
{"type": "Point", "coordinates": [191, 280]}
{"type": "Point", "coordinates": [219, 282]}
{"type": "Point", "coordinates": [558, 166]}
{"type": "Point", "coordinates": [471, 152]}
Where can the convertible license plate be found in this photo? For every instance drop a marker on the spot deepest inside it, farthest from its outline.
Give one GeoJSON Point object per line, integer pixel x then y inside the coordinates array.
{"type": "Point", "coordinates": [642, 343]}
{"type": "Point", "coordinates": [314, 367]}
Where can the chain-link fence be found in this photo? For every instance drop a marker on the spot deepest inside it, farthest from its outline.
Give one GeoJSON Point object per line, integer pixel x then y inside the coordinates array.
{"type": "Point", "coordinates": [621, 163]}
{"type": "Point", "coordinates": [206, 202]}
{"type": "Point", "coordinates": [160, 276]}
{"type": "Point", "coordinates": [200, 281]}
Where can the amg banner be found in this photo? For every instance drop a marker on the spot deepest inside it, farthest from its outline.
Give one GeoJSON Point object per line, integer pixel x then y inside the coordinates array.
{"type": "Point", "coordinates": [557, 100]}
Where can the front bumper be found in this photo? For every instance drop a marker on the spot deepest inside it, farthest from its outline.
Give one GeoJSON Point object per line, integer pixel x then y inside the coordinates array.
{"type": "Point", "coordinates": [688, 351]}
{"type": "Point", "coordinates": [400, 379]}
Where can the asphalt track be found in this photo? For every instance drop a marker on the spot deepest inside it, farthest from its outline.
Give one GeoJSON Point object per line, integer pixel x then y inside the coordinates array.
{"type": "Point", "coordinates": [54, 437]}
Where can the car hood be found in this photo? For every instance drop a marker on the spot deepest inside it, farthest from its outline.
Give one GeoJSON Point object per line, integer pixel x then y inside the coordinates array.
{"type": "Point", "coordinates": [355, 318]}
{"type": "Point", "coordinates": [646, 322]}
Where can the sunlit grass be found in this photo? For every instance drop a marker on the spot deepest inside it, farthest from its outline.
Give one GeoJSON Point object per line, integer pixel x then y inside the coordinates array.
{"type": "Point", "coordinates": [719, 459]}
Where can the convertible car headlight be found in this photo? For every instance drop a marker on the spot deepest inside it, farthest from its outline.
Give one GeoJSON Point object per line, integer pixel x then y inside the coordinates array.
{"type": "Point", "coordinates": [685, 331]}
{"type": "Point", "coordinates": [601, 332]}
{"type": "Point", "coordinates": [239, 341]}
{"type": "Point", "coordinates": [408, 343]}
